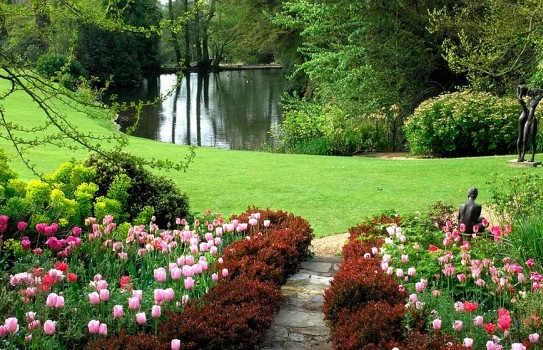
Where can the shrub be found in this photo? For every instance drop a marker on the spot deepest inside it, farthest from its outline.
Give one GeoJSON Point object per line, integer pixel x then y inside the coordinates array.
{"type": "Point", "coordinates": [358, 282]}
{"type": "Point", "coordinates": [146, 189]}
{"type": "Point", "coordinates": [59, 67]}
{"type": "Point", "coordinates": [328, 130]}
{"type": "Point", "coordinates": [516, 197]}
{"type": "Point", "coordinates": [465, 123]}
{"type": "Point", "coordinates": [353, 331]}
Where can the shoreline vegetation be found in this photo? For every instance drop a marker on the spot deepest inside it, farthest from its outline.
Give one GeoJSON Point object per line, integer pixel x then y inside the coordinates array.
{"type": "Point", "coordinates": [224, 67]}
{"type": "Point", "coordinates": [332, 193]}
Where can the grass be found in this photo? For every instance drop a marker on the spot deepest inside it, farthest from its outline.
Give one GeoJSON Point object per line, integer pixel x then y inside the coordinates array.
{"type": "Point", "coordinates": [332, 193]}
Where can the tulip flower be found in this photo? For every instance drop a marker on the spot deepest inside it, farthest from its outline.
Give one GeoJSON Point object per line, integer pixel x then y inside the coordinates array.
{"type": "Point", "coordinates": [156, 311]}
{"type": "Point", "coordinates": [118, 311]}
{"type": "Point", "coordinates": [11, 325]}
{"type": "Point", "coordinates": [478, 321]}
{"type": "Point", "coordinates": [534, 338]}
{"type": "Point", "coordinates": [133, 303]}
{"type": "Point", "coordinates": [51, 300]}
{"type": "Point", "coordinates": [141, 318]}
{"type": "Point", "coordinates": [436, 324]}
{"type": "Point", "coordinates": [49, 327]}
{"type": "Point", "coordinates": [104, 294]}
{"type": "Point", "coordinates": [517, 346]}
{"type": "Point", "coordinates": [160, 274]}
{"type": "Point", "coordinates": [94, 298]}
{"type": "Point", "coordinates": [94, 326]}
{"type": "Point", "coordinates": [189, 283]}
{"type": "Point", "coordinates": [102, 329]}
{"type": "Point", "coordinates": [468, 342]}
{"type": "Point", "coordinates": [457, 326]}
{"type": "Point", "coordinates": [59, 304]}
{"type": "Point", "coordinates": [175, 344]}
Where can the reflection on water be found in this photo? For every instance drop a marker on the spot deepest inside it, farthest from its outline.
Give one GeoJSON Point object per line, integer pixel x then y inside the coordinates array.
{"type": "Point", "coordinates": [229, 109]}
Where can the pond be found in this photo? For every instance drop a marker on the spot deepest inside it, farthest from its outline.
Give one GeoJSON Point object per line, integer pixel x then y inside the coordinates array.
{"type": "Point", "coordinates": [228, 110]}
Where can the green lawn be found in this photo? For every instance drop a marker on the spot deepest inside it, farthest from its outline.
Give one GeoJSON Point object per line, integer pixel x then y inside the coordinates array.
{"type": "Point", "coordinates": [332, 193]}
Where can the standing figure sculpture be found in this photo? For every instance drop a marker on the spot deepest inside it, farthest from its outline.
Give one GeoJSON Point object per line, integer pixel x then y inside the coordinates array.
{"type": "Point", "coordinates": [469, 214]}
{"type": "Point", "coordinates": [528, 121]}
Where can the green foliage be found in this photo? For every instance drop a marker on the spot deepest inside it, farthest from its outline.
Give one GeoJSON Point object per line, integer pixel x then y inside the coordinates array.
{"type": "Point", "coordinates": [107, 206]}
{"type": "Point", "coordinates": [311, 129]}
{"type": "Point", "coordinates": [463, 123]}
{"type": "Point", "coordinates": [53, 65]}
{"type": "Point", "coordinates": [119, 188]}
{"type": "Point", "coordinates": [526, 239]}
{"type": "Point", "coordinates": [492, 42]}
{"type": "Point", "coordinates": [69, 176]}
{"type": "Point", "coordinates": [516, 197]}
{"type": "Point", "coordinates": [146, 188]}
{"type": "Point", "coordinates": [364, 56]}
{"type": "Point", "coordinates": [84, 196]}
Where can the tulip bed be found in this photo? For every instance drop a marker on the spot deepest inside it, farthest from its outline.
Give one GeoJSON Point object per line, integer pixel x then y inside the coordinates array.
{"type": "Point", "coordinates": [419, 283]}
{"type": "Point", "coordinates": [213, 285]}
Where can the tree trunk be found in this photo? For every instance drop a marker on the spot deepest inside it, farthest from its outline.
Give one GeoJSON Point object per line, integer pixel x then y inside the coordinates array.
{"type": "Point", "coordinates": [187, 37]}
{"type": "Point", "coordinates": [173, 38]}
{"type": "Point", "coordinates": [197, 43]}
{"type": "Point", "coordinates": [206, 61]}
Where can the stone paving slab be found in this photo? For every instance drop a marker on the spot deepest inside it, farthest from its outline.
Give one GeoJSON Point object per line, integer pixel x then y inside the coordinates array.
{"type": "Point", "coordinates": [300, 323]}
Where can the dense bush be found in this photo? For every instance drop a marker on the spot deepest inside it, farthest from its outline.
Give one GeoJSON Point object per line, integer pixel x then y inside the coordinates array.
{"type": "Point", "coordinates": [463, 123]}
{"type": "Point", "coordinates": [59, 67]}
{"type": "Point", "coordinates": [312, 129]}
{"type": "Point", "coordinates": [145, 188]}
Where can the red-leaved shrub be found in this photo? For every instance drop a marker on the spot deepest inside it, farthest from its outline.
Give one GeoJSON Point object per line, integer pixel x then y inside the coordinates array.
{"type": "Point", "coordinates": [375, 322]}
{"type": "Point", "coordinates": [358, 282]}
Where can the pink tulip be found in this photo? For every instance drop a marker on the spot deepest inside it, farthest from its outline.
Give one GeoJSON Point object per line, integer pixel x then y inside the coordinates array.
{"type": "Point", "coordinates": [11, 325]}
{"type": "Point", "coordinates": [490, 345]}
{"type": "Point", "coordinates": [160, 274]}
{"type": "Point", "coordinates": [478, 321]}
{"type": "Point", "coordinates": [189, 283]}
{"type": "Point", "coordinates": [411, 272]}
{"type": "Point", "coordinates": [534, 338]}
{"type": "Point", "coordinates": [3, 330]}
{"type": "Point", "coordinates": [141, 318]}
{"type": "Point", "coordinates": [138, 293]}
{"type": "Point", "coordinates": [21, 225]}
{"type": "Point", "coordinates": [33, 325]}
{"type": "Point", "coordinates": [176, 273]}
{"type": "Point", "coordinates": [267, 223]}
{"type": "Point", "coordinates": [468, 342]}
{"type": "Point", "coordinates": [118, 311]}
{"type": "Point", "coordinates": [60, 302]}
{"type": "Point", "coordinates": [49, 327]}
{"type": "Point", "coordinates": [176, 344]}
{"type": "Point", "coordinates": [517, 346]}
{"type": "Point", "coordinates": [224, 272]}
{"type": "Point", "coordinates": [436, 324]}
{"type": "Point", "coordinates": [169, 294]}
{"type": "Point", "coordinates": [413, 298]}
{"type": "Point", "coordinates": [214, 277]}
{"type": "Point", "coordinates": [51, 300]}
{"type": "Point", "coordinates": [399, 273]}
{"type": "Point", "coordinates": [104, 294]}
{"type": "Point", "coordinates": [30, 316]}
{"type": "Point", "coordinates": [94, 326]}
{"type": "Point", "coordinates": [156, 311]}
{"type": "Point", "coordinates": [102, 329]}
{"type": "Point", "coordinates": [457, 326]}
{"type": "Point", "coordinates": [94, 298]}
{"type": "Point", "coordinates": [102, 284]}
{"type": "Point", "coordinates": [405, 258]}
{"type": "Point", "coordinates": [133, 303]}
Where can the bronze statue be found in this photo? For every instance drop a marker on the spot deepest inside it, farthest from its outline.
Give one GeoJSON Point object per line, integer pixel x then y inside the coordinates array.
{"type": "Point", "coordinates": [469, 213]}
{"type": "Point", "coordinates": [527, 123]}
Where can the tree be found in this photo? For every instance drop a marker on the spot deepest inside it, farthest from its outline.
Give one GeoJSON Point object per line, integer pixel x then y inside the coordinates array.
{"type": "Point", "coordinates": [369, 58]}
{"type": "Point", "coordinates": [496, 43]}
{"type": "Point", "coordinates": [53, 126]}
{"type": "Point", "coordinates": [125, 56]}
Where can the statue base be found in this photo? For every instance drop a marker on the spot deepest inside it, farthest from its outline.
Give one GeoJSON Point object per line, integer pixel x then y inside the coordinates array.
{"type": "Point", "coordinates": [523, 164]}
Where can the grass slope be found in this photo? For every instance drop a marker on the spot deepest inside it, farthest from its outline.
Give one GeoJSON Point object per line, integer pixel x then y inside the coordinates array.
{"type": "Point", "coordinates": [332, 193]}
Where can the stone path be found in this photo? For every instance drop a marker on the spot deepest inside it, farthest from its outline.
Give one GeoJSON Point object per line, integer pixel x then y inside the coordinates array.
{"type": "Point", "coordinates": [300, 324]}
